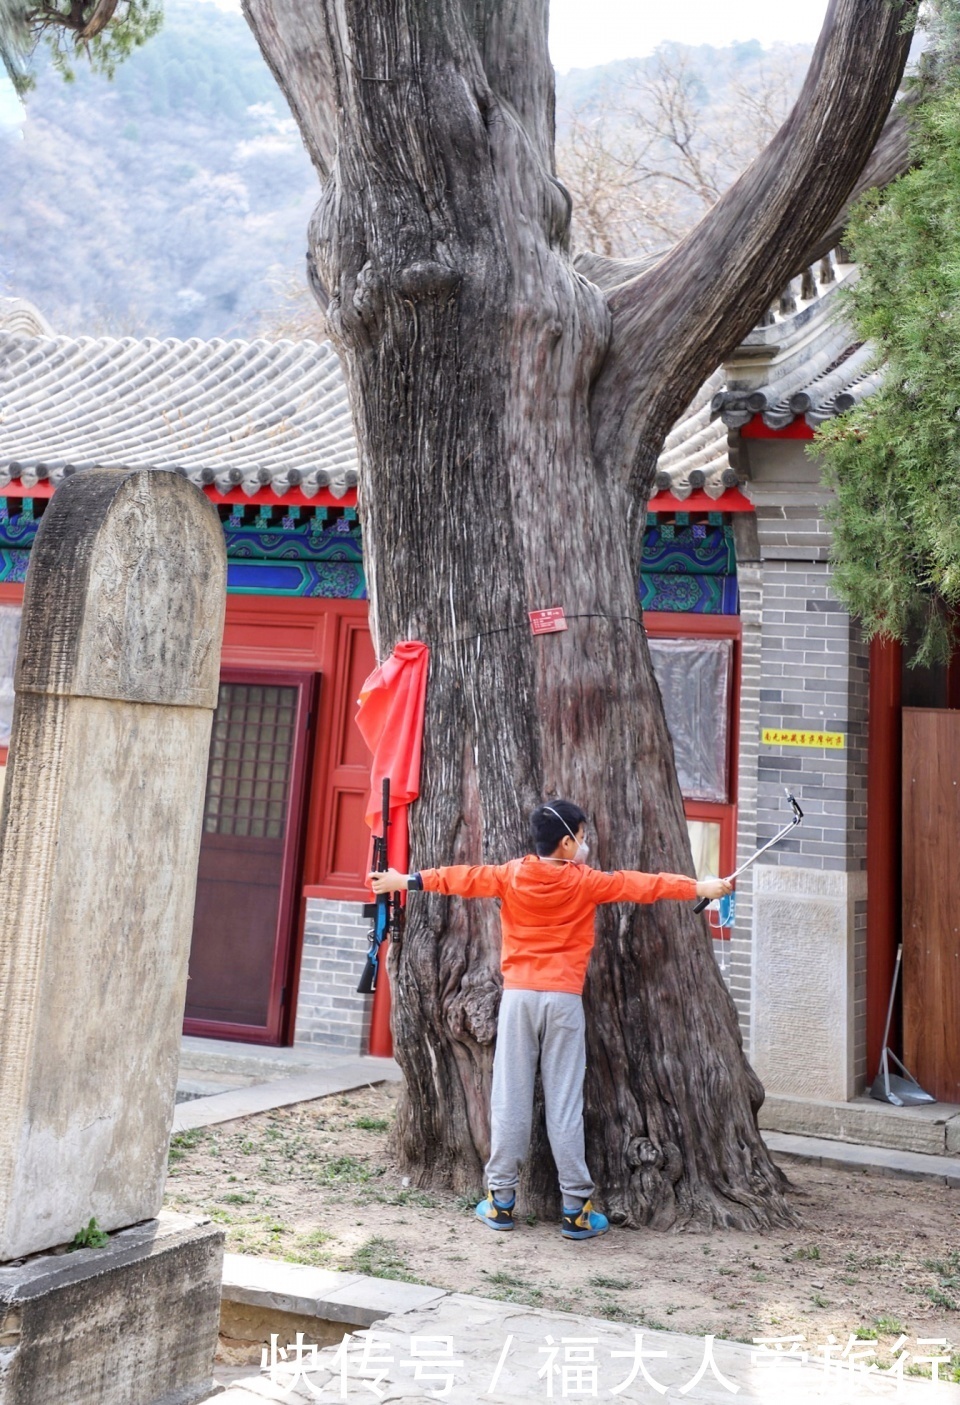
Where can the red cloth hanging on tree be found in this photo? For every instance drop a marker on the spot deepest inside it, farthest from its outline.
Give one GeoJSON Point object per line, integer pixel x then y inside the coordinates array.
{"type": "Point", "coordinates": [390, 717]}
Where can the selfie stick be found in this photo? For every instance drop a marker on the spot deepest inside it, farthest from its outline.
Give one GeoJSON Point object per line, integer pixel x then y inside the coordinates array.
{"type": "Point", "coordinates": [797, 817]}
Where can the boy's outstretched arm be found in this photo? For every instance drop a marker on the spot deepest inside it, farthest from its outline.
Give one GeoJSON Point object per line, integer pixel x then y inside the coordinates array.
{"type": "Point", "coordinates": [630, 886]}
{"type": "Point", "coordinates": [458, 880]}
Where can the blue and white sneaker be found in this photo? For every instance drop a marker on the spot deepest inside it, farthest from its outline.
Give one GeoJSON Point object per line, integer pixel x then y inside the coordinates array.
{"type": "Point", "coordinates": [586, 1223]}
{"type": "Point", "coordinates": [496, 1214]}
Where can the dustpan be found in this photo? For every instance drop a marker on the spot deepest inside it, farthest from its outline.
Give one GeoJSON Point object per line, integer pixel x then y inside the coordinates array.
{"type": "Point", "coordinates": [891, 1087]}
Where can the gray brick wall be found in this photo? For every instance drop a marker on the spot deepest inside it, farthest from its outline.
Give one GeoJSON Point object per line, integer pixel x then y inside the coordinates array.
{"type": "Point", "coordinates": [750, 583]}
{"type": "Point", "coordinates": [813, 675]}
{"type": "Point", "coordinates": [329, 1010]}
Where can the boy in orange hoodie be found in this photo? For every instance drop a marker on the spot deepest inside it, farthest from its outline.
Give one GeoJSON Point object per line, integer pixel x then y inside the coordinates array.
{"type": "Point", "coordinates": [548, 905]}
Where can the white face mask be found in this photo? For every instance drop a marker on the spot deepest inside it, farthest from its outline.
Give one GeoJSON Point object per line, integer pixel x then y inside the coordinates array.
{"type": "Point", "coordinates": [583, 847]}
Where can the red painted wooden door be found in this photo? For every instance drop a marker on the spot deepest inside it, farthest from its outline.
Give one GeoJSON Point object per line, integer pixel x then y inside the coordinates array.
{"type": "Point", "coordinates": [931, 899]}
{"type": "Point", "coordinates": [247, 885]}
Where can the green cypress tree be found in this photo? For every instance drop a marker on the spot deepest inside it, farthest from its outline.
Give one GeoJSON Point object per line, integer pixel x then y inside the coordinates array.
{"type": "Point", "coordinates": [104, 31]}
{"type": "Point", "coordinates": [894, 461]}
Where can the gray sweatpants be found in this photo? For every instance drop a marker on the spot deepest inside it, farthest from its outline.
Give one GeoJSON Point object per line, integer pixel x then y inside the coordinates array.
{"type": "Point", "coordinates": [548, 1026]}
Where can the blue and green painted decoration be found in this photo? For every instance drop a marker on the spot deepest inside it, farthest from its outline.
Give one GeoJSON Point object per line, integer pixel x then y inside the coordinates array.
{"type": "Point", "coordinates": [689, 567]}
{"type": "Point", "coordinates": [304, 557]}
{"type": "Point", "coordinates": [308, 559]}
{"type": "Point", "coordinates": [317, 553]}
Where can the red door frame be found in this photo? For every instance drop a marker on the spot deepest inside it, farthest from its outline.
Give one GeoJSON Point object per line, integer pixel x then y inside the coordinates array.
{"type": "Point", "coordinates": [660, 624]}
{"type": "Point", "coordinates": [884, 818]}
{"type": "Point", "coordinates": [281, 1012]}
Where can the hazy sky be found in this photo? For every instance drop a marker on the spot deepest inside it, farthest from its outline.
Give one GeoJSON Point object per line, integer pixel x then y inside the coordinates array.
{"type": "Point", "coordinates": [587, 32]}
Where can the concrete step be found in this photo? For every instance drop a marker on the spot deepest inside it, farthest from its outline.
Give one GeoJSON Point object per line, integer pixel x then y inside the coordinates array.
{"type": "Point", "coordinates": [856, 1156]}
{"type": "Point", "coordinates": [933, 1130]}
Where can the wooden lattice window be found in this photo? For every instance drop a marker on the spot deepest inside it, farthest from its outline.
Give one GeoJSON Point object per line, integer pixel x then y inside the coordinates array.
{"type": "Point", "coordinates": [250, 757]}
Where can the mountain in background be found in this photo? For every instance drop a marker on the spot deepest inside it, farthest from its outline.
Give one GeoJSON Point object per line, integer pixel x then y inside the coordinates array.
{"type": "Point", "coordinates": [167, 202]}
{"type": "Point", "coordinates": [174, 200]}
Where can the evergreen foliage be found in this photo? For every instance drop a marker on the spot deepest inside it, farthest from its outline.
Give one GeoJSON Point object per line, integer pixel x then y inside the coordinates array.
{"type": "Point", "coordinates": [894, 461]}
{"type": "Point", "coordinates": [103, 31]}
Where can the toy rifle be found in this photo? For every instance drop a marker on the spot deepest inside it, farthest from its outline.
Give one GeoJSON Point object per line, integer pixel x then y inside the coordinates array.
{"type": "Point", "coordinates": [387, 910]}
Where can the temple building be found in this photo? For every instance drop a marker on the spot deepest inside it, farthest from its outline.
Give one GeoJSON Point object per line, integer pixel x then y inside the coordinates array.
{"type": "Point", "coordinates": [766, 681]}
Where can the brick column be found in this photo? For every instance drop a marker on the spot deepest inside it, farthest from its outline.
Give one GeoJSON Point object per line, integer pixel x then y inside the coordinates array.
{"type": "Point", "coordinates": [749, 582]}
{"type": "Point", "coordinates": [809, 894]}
{"type": "Point", "coordinates": [329, 1010]}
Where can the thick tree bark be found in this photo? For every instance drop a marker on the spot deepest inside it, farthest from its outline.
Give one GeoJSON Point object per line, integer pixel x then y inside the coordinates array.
{"type": "Point", "coordinates": [479, 363]}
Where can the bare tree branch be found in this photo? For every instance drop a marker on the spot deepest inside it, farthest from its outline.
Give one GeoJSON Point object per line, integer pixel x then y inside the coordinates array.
{"type": "Point", "coordinates": [102, 15]}
{"type": "Point", "coordinates": [673, 324]}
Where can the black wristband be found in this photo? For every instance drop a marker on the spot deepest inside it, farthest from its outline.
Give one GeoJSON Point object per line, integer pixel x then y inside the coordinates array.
{"type": "Point", "coordinates": [415, 881]}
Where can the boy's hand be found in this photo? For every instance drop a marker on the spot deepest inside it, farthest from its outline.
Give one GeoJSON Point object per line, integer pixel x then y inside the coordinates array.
{"type": "Point", "coordinates": [389, 882]}
{"type": "Point", "coordinates": [714, 888]}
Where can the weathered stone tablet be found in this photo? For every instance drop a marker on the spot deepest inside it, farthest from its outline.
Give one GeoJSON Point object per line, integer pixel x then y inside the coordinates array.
{"type": "Point", "coordinates": [116, 683]}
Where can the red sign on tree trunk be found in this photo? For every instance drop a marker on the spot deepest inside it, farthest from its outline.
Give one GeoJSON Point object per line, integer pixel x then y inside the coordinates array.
{"type": "Point", "coordinates": [547, 621]}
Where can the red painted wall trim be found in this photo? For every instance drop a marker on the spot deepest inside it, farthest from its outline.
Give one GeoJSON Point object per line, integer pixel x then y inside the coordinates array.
{"type": "Point", "coordinates": [756, 429]}
{"type": "Point", "coordinates": [883, 838]}
{"type": "Point", "coordinates": [270, 631]}
{"type": "Point", "coordinates": [730, 500]}
{"type": "Point", "coordinates": [9, 595]}
{"type": "Point", "coordinates": [665, 623]}
{"type": "Point", "coordinates": [16, 489]}
{"type": "Point", "coordinates": [293, 497]}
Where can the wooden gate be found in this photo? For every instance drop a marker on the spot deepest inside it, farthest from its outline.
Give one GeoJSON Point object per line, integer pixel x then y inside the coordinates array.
{"type": "Point", "coordinates": [247, 885]}
{"type": "Point", "coordinates": [931, 899]}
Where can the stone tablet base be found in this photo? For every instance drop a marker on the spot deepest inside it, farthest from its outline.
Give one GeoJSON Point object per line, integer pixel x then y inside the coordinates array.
{"type": "Point", "coordinates": [134, 1323]}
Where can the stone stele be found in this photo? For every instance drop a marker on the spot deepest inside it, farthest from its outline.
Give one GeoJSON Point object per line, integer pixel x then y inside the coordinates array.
{"type": "Point", "coordinates": [116, 684]}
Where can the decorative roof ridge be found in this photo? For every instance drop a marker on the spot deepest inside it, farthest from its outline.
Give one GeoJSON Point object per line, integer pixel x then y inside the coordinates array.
{"type": "Point", "coordinates": [21, 318]}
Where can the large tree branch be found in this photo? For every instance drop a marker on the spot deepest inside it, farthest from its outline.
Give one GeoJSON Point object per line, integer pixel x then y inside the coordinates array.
{"type": "Point", "coordinates": [295, 41]}
{"type": "Point", "coordinates": [889, 159]}
{"type": "Point", "coordinates": [675, 323]}
{"type": "Point", "coordinates": [511, 37]}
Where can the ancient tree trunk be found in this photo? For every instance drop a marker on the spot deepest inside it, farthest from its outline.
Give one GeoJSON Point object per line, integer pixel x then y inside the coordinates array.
{"type": "Point", "coordinates": [484, 371]}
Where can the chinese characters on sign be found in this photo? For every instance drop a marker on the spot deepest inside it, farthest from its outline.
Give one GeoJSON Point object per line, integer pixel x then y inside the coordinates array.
{"type": "Point", "coordinates": [547, 621]}
{"type": "Point", "coordinates": [789, 736]}
{"type": "Point", "coordinates": [573, 1367]}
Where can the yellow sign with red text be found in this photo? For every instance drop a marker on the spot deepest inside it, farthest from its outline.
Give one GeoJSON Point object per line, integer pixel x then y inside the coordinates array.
{"type": "Point", "coordinates": [789, 736]}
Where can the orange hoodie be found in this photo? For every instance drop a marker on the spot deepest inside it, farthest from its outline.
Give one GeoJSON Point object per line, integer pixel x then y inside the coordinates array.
{"type": "Point", "coordinates": [548, 910]}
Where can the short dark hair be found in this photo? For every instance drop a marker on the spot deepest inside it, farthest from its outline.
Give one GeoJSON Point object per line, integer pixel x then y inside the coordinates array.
{"type": "Point", "coordinates": [551, 821]}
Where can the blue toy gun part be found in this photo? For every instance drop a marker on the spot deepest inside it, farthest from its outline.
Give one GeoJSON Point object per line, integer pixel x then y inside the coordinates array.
{"type": "Point", "coordinates": [382, 921]}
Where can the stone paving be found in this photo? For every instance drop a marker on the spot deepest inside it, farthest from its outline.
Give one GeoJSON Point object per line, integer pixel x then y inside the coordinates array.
{"type": "Point", "coordinates": [265, 1080]}
{"type": "Point", "coordinates": [465, 1350]}
{"type": "Point", "coordinates": [433, 1345]}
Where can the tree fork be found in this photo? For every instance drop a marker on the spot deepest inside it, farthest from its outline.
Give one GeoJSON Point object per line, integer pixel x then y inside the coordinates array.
{"type": "Point", "coordinates": [509, 413]}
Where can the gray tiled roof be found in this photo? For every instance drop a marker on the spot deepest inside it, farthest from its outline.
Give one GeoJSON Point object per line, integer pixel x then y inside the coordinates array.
{"type": "Point", "coordinates": [806, 361]}
{"type": "Point", "coordinates": [18, 315]}
{"type": "Point", "coordinates": [231, 413]}
{"type": "Point", "coordinates": [803, 362]}
{"type": "Point", "coordinates": [695, 453]}
{"type": "Point", "coordinates": [249, 414]}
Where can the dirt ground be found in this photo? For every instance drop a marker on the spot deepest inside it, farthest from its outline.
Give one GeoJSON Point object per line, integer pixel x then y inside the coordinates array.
{"type": "Point", "coordinates": [877, 1257]}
